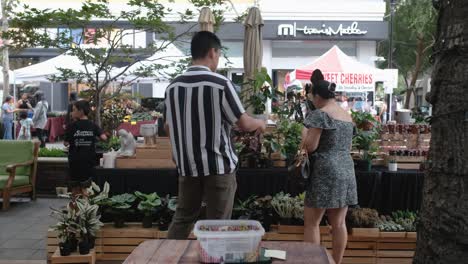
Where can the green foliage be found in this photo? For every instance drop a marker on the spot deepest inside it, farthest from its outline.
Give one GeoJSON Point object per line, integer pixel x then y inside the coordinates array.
{"type": "Point", "coordinates": [51, 153]}
{"type": "Point", "coordinates": [27, 25]}
{"type": "Point", "coordinates": [88, 218]}
{"type": "Point", "coordinates": [362, 218]}
{"type": "Point", "coordinates": [362, 118]}
{"type": "Point", "coordinates": [399, 221]}
{"type": "Point", "coordinates": [67, 225]}
{"type": "Point", "coordinates": [414, 20]}
{"type": "Point", "coordinates": [365, 141]}
{"type": "Point", "coordinates": [284, 205]}
{"type": "Point", "coordinates": [257, 92]}
{"type": "Point", "coordinates": [121, 203]}
{"type": "Point", "coordinates": [149, 203]}
{"type": "Point", "coordinates": [113, 143]}
{"type": "Point", "coordinates": [96, 196]}
{"type": "Point", "coordinates": [241, 208]}
{"type": "Point", "coordinates": [289, 133]}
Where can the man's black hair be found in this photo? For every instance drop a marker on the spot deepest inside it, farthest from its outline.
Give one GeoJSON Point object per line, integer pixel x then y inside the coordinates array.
{"type": "Point", "coordinates": [201, 44]}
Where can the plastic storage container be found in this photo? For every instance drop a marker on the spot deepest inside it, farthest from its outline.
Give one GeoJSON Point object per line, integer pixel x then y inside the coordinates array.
{"type": "Point", "coordinates": [225, 245]}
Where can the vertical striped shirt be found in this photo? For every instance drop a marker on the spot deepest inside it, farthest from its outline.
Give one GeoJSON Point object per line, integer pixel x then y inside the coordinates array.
{"type": "Point", "coordinates": [200, 108]}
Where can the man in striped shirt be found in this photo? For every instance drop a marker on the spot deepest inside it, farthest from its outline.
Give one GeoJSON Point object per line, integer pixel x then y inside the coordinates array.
{"type": "Point", "coordinates": [201, 107]}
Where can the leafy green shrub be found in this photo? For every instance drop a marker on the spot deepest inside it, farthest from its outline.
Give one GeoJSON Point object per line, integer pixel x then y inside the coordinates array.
{"type": "Point", "coordinates": [149, 203]}
{"type": "Point", "coordinates": [51, 153]}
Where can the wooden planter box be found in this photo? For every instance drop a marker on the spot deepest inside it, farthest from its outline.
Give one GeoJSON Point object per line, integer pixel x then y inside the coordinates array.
{"type": "Point", "coordinates": [365, 245]}
{"type": "Point", "coordinates": [51, 173]}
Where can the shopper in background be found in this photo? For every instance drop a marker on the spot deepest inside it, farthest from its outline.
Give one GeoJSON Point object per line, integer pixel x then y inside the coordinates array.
{"type": "Point", "coordinates": [40, 116]}
{"type": "Point", "coordinates": [332, 184]}
{"type": "Point", "coordinates": [8, 110]}
{"type": "Point", "coordinates": [26, 124]}
{"type": "Point", "coordinates": [80, 138]}
{"type": "Point", "coordinates": [25, 105]}
{"type": "Point", "coordinates": [71, 100]}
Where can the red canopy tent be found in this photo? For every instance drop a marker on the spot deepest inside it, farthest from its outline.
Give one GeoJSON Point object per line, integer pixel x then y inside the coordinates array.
{"type": "Point", "coordinates": [349, 74]}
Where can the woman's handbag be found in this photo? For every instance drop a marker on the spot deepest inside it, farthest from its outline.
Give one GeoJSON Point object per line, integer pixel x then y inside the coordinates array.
{"type": "Point", "coordinates": [300, 168]}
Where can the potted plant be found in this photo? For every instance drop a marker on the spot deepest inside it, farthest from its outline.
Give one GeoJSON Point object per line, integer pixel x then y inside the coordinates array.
{"type": "Point", "coordinates": [119, 205]}
{"type": "Point", "coordinates": [258, 93]}
{"type": "Point", "coordinates": [260, 209]}
{"type": "Point", "coordinates": [166, 212]}
{"type": "Point", "coordinates": [363, 221]}
{"type": "Point", "coordinates": [363, 120]}
{"type": "Point", "coordinates": [148, 205]}
{"type": "Point", "coordinates": [89, 223]}
{"type": "Point", "coordinates": [392, 164]}
{"type": "Point", "coordinates": [241, 209]}
{"type": "Point", "coordinates": [365, 141]}
{"type": "Point", "coordinates": [67, 229]}
{"type": "Point", "coordinates": [283, 204]}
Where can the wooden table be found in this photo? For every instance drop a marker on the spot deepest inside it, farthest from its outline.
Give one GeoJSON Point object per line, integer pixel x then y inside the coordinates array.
{"type": "Point", "coordinates": [186, 252]}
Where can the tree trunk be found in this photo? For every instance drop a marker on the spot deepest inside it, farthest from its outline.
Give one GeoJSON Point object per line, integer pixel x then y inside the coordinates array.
{"type": "Point", "coordinates": [443, 227]}
{"type": "Point", "coordinates": [417, 69]}
{"type": "Point", "coordinates": [5, 59]}
{"type": "Point", "coordinates": [98, 102]}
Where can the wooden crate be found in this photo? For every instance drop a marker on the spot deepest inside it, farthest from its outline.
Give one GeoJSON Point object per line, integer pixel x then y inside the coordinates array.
{"type": "Point", "coordinates": [133, 162]}
{"type": "Point", "coordinates": [75, 257]}
{"type": "Point", "coordinates": [365, 245]}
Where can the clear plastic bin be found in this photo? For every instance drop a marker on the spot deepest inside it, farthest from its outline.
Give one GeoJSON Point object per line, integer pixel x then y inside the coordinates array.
{"type": "Point", "coordinates": [228, 246]}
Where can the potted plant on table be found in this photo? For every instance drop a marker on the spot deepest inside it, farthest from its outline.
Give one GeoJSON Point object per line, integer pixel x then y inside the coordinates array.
{"type": "Point", "coordinates": [365, 141]}
{"type": "Point", "coordinates": [148, 205]}
{"type": "Point", "coordinates": [119, 205]}
{"type": "Point", "coordinates": [284, 204]}
{"type": "Point", "coordinates": [392, 164]}
{"type": "Point", "coordinates": [258, 93]}
{"type": "Point", "coordinates": [364, 120]}
{"type": "Point", "coordinates": [67, 229]}
{"type": "Point", "coordinates": [362, 221]}
{"type": "Point", "coordinates": [89, 224]}
{"type": "Point", "coordinates": [260, 209]}
{"type": "Point", "coordinates": [166, 212]}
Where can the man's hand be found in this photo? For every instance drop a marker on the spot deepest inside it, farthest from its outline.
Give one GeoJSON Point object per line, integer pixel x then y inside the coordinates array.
{"type": "Point", "coordinates": [261, 127]}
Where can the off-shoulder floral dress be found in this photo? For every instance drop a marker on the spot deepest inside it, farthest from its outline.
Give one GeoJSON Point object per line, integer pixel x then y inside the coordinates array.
{"type": "Point", "coordinates": [332, 183]}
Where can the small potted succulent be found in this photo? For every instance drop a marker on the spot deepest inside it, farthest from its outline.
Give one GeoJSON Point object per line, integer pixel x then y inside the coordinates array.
{"type": "Point", "coordinates": [119, 206]}
{"type": "Point", "coordinates": [362, 221]}
{"type": "Point", "coordinates": [148, 205]}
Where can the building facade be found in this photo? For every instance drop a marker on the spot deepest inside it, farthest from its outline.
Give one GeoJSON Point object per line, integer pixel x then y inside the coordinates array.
{"type": "Point", "coordinates": [295, 32]}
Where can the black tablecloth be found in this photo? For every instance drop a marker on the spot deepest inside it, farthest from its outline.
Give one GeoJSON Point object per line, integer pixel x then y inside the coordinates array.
{"type": "Point", "coordinates": [379, 189]}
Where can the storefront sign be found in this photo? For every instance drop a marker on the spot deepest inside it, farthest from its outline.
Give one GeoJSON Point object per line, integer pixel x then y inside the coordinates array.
{"type": "Point", "coordinates": [341, 30]}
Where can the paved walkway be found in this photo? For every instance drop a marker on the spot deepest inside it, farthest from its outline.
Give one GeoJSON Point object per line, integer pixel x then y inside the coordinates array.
{"type": "Point", "coordinates": [24, 227]}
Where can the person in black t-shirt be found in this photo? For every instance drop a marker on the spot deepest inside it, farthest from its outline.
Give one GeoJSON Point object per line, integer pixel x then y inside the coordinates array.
{"type": "Point", "coordinates": [81, 137]}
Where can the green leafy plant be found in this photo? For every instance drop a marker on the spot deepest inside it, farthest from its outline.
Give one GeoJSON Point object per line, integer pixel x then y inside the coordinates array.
{"type": "Point", "coordinates": [51, 153]}
{"type": "Point", "coordinates": [112, 144]}
{"type": "Point", "coordinates": [289, 137]}
{"type": "Point", "coordinates": [258, 91]}
{"type": "Point", "coordinates": [166, 211]}
{"type": "Point", "coordinates": [96, 196]}
{"type": "Point", "coordinates": [121, 203]}
{"type": "Point", "coordinates": [67, 226]}
{"type": "Point", "coordinates": [241, 208]}
{"type": "Point", "coordinates": [261, 210]}
{"type": "Point", "coordinates": [365, 141]}
{"type": "Point", "coordinates": [88, 218]}
{"type": "Point", "coordinates": [363, 120]}
{"type": "Point", "coordinates": [284, 205]}
{"type": "Point", "coordinates": [298, 212]}
{"type": "Point", "coordinates": [149, 203]}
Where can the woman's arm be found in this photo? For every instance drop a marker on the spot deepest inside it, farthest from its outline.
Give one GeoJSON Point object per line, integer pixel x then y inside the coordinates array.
{"type": "Point", "coordinates": [311, 138]}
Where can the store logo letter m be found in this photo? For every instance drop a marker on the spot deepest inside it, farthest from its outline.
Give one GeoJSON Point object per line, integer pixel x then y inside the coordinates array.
{"type": "Point", "coordinates": [287, 30]}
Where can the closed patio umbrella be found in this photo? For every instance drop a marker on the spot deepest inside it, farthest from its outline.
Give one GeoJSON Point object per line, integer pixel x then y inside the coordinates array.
{"type": "Point", "coordinates": [206, 20]}
{"type": "Point", "coordinates": [253, 48]}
